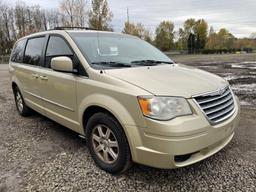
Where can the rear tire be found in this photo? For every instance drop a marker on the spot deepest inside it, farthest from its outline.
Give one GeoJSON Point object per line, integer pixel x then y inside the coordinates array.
{"type": "Point", "coordinates": [107, 143]}
{"type": "Point", "coordinates": [21, 106]}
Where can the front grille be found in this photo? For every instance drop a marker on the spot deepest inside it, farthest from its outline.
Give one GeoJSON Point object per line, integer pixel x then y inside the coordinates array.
{"type": "Point", "coordinates": [218, 105]}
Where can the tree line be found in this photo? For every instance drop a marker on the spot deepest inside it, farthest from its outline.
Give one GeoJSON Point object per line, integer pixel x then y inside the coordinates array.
{"type": "Point", "coordinates": [21, 20]}
{"type": "Point", "coordinates": [194, 37]}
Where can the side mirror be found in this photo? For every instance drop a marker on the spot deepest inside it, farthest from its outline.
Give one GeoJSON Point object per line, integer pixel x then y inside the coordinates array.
{"type": "Point", "coordinates": [63, 64]}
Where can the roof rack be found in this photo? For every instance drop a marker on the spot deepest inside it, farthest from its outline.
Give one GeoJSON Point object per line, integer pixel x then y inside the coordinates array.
{"type": "Point", "coordinates": [68, 28]}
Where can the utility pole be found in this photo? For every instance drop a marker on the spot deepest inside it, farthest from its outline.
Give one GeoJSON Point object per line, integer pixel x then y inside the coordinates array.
{"type": "Point", "coordinates": [128, 19]}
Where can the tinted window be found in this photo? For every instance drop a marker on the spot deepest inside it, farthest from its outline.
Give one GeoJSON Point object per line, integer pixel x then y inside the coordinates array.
{"type": "Point", "coordinates": [33, 51]}
{"type": "Point", "coordinates": [18, 51]}
{"type": "Point", "coordinates": [57, 47]}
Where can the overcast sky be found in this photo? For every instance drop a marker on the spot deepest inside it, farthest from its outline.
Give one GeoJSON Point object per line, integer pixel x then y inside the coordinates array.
{"type": "Point", "coordinates": [238, 16]}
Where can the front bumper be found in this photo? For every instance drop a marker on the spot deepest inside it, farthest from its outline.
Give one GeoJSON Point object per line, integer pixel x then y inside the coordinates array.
{"type": "Point", "coordinates": [181, 141]}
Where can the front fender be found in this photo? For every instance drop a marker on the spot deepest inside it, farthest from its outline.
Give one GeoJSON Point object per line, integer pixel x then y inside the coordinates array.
{"type": "Point", "coordinates": [110, 104]}
{"type": "Point", "coordinates": [119, 111]}
{"type": "Point", "coordinates": [15, 80]}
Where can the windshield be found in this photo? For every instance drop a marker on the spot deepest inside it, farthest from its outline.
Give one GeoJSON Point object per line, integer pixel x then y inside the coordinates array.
{"type": "Point", "coordinates": [108, 50]}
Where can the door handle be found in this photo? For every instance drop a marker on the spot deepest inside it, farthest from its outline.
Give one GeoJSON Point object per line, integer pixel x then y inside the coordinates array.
{"type": "Point", "coordinates": [34, 75]}
{"type": "Point", "coordinates": [44, 77]}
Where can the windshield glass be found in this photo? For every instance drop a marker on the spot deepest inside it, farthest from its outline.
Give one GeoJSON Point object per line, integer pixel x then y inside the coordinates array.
{"type": "Point", "coordinates": [108, 50]}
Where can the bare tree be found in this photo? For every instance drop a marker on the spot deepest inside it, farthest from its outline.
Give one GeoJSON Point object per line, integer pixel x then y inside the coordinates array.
{"type": "Point", "coordinates": [81, 12]}
{"type": "Point", "coordinates": [29, 27]}
{"type": "Point", "coordinates": [12, 24]}
{"type": "Point", "coordinates": [51, 18]}
{"type": "Point", "coordinates": [6, 33]}
{"type": "Point", "coordinates": [20, 18]}
{"type": "Point", "coordinates": [37, 18]}
{"type": "Point", "coordinates": [75, 10]}
{"type": "Point", "coordinates": [5, 19]}
{"type": "Point", "coordinates": [67, 7]}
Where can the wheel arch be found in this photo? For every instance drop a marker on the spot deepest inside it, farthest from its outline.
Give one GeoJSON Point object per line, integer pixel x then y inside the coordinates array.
{"type": "Point", "coordinates": [104, 103]}
{"type": "Point", "coordinates": [91, 110]}
{"type": "Point", "coordinates": [99, 103]}
{"type": "Point", "coordinates": [14, 85]}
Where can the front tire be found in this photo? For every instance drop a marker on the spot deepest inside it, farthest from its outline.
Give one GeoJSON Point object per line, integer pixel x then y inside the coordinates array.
{"type": "Point", "coordinates": [21, 106]}
{"type": "Point", "coordinates": [107, 143]}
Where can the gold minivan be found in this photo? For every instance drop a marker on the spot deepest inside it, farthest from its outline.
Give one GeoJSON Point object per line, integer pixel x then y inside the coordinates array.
{"type": "Point", "coordinates": [131, 102]}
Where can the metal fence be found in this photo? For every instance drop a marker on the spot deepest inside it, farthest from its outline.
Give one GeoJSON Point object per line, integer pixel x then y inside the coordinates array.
{"type": "Point", "coordinates": [4, 59]}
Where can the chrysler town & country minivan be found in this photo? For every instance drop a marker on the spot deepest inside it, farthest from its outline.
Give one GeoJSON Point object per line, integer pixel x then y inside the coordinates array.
{"type": "Point", "coordinates": [130, 101]}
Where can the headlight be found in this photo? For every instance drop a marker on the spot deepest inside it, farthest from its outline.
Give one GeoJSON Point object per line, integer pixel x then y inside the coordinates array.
{"type": "Point", "coordinates": [164, 108]}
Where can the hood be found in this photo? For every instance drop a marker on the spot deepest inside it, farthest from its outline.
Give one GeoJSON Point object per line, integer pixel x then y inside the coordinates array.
{"type": "Point", "coordinates": [170, 80]}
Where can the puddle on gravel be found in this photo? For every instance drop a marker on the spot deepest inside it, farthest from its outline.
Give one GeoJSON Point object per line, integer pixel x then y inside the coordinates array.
{"type": "Point", "coordinates": [245, 65]}
{"type": "Point", "coordinates": [208, 67]}
{"type": "Point", "coordinates": [229, 77]}
{"type": "Point", "coordinates": [246, 93]}
{"type": "Point", "coordinates": [241, 76]}
{"type": "Point", "coordinates": [246, 88]}
{"type": "Point", "coordinates": [245, 103]}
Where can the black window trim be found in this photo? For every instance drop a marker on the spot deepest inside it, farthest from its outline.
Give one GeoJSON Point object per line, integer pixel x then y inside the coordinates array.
{"type": "Point", "coordinates": [71, 49]}
{"type": "Point", "coordinates": [41, 58]}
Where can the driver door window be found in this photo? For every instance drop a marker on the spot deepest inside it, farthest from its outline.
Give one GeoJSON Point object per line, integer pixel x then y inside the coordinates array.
{"type": "Point", "coordinates": [57, 47]}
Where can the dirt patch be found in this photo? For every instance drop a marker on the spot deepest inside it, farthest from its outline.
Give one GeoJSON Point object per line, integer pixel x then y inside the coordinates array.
{"type": "Point", "coordinates": [2, 98]}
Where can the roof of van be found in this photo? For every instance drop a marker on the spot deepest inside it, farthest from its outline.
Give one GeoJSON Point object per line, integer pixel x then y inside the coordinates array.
{"type": "Point", "coordinates": [74, 31]}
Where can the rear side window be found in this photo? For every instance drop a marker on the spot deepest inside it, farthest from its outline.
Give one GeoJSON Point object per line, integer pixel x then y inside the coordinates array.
{"type": "Point", "coordinates": [18, 51]}
{"type": "Point", "coordinates": [57, 47]}
{"type": "Point", "coordinates": [33, 51]}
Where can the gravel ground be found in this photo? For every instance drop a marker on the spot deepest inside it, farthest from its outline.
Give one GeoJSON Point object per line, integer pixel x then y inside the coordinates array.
{"type": "Point", "coordinates": [37, 154]}
{"type": "Point", "coordinates": [239, 70]}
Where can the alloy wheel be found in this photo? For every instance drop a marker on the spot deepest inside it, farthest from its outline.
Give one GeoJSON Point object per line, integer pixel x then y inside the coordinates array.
{"type": "Point", "coordinates": [19, 101]}
{"type": "Point", "coordinates": [105, 144]}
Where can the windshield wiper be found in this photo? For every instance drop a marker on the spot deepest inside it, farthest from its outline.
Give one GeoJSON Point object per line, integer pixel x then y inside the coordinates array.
{"type": "Point", "coordinates": [111, 64]}
{"type": "Point", "coordinates": [150, 62]}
